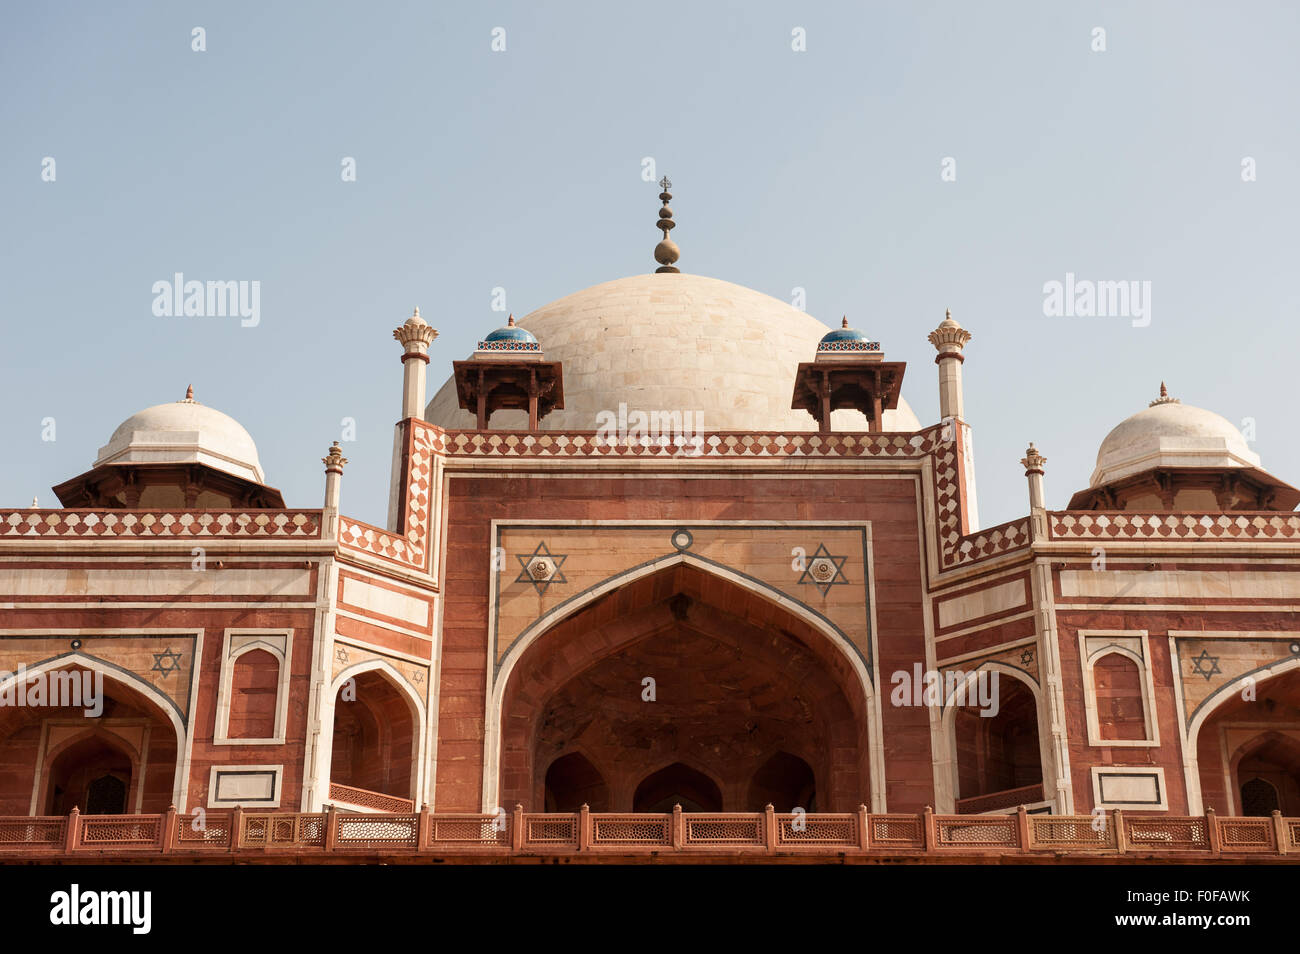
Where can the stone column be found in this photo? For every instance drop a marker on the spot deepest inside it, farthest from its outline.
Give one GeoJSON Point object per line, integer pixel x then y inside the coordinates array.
{"type": "Point", "coordinates": [1053, 731]}
{"type": "Point", "coordinates": [1033, 463]}
{"type": "Point", "coordinates": [415, 336]}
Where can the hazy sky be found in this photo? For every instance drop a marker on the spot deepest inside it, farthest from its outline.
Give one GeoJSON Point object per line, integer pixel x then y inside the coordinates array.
{"type": "Point", "coordinates": [521, 169]}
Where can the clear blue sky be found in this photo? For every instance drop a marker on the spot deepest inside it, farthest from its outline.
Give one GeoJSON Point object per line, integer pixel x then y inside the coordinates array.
{"type": "Point", "coordinates": [521, 169]}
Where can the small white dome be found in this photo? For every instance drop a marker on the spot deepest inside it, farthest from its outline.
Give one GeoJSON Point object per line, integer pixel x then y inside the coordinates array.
{"type": "Point", "coordinates": [1170, 434]}
{"type": "Point", "coordinates": [674, 342]}
{"type": "Point", "coordinates": [184, 432]}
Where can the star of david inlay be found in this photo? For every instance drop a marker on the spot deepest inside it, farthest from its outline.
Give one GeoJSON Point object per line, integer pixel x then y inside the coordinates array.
{"type": "Point", "coordinates": [166, 662]}
{"type": "Point", "coordinates": [823, 570]}
{"type": "Point", "coordinates": [1026, 657]}
{"type": "Point", "coordinates": [1206, 665]}
{"type": "Point", "coordinates": [541, 568]}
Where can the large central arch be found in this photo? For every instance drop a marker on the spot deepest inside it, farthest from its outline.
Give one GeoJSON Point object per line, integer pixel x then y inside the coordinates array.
{"type": "Point", "coordinates": [742, 674]}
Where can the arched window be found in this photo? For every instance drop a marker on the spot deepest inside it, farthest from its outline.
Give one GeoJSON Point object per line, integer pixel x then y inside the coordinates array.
{"type": "Point", "coordinates": [253, 692]}
{"type": "Point", "coordinates": [106, 795]}
{"type": "Point", "coordinates": [254, 685]}
{"type": "Point", "coordinates": [1118, 690]}
{"type": "Point", "coordinates": [1118, 685]}
{"type": "Point", "coordinates": [1259, 797]}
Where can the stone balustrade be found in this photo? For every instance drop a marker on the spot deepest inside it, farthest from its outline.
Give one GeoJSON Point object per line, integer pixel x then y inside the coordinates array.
{"type": "Point", "coordinates": [228, 835]}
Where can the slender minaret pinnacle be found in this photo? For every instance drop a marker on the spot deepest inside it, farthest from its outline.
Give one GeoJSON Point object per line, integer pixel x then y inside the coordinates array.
{"type": "Point", "coordinates": [949, 339]}
{"type": "Point", "coordinates": [666, 252]}
{"type": "Point", "coordinates": [333, 461]}
{"type": "Point", "coordinates": [415, 336]}
{"type": "Point", "coordinates": [1033, 463]}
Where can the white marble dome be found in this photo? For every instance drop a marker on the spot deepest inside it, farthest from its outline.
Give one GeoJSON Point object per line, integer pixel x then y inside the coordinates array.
{"type": "Point", "coordinates": [1170, 434]}
{"type": "Point", "coordinates": [674, 342]}
{"type": "Point", "coordinates": [184, 432]}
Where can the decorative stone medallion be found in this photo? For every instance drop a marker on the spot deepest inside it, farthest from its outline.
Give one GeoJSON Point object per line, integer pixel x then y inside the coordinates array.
{"type": "Point", "coordinates": [541, 568]}
{"type": "Point", "coordinates": [823, 570]}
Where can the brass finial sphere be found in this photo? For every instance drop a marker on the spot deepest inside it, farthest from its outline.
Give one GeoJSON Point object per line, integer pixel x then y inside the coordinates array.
{"type": "Point", "coordinates": [666, 252]}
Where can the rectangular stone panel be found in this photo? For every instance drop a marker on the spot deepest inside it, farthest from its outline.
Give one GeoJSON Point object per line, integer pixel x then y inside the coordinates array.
{"type": "Point", "coordinates": [987, 602]}
{"type": "Point", "coordinates": [385, 602]}
{"type": "Point", "coordinates": [264, 581]}
{"type": "Point", "coordinates": [1180, 584]}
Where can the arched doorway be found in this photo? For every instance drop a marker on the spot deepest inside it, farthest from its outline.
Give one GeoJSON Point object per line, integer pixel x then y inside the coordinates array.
{"type": "Point", "coordinates": [785, 782]}
{"type": "Point", "coordinates": [571, 782]}
{"type": "Point", "coordinates": [999, 757]}
{"type": "Point", "coordinates": [677, 784]}
{"type": "Point", "coordinates": [1248, 748]}
{"type": "Point", "coordinates": [125, 759]}
{"type": "Point", "coordinates": [376, 736]}
{"type": "Point", "coordinates": [685, 666]}
{"type": "Point", "coordinates": [93, 774]}
{"type": "Point", "coordinates": [1266, 775]}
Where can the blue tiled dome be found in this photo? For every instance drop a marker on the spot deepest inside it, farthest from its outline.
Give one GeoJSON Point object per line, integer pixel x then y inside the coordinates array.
{"type": "Point", "coordinates": [511, 333]}
{"type": "Point", "coordinates": [844, 334]}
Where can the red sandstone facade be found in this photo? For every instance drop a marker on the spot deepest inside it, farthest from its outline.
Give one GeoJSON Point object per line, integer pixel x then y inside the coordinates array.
{"type": "Point", "coordinates": [579, 627]}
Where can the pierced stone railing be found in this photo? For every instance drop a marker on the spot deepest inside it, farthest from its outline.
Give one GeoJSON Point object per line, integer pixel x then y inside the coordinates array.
{"type": "Point", "coordinates": [1008, 798]}
{"type": "Point", "coordinates": [253, 834]}
{"type": "Point", "coordinates": [282, 830]}
{"type": "Point", "coordinates": [375, 801]}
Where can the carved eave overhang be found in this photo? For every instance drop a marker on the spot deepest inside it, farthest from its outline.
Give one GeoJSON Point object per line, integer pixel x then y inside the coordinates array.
{"type": "Point", "coordinates": [1235, 489]}
{"type": "Point", "coordinates": [118, 486]}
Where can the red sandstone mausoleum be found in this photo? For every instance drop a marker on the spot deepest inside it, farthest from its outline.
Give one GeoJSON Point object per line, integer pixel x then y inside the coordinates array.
{"type": "Point", "coordinates": [669, 567]}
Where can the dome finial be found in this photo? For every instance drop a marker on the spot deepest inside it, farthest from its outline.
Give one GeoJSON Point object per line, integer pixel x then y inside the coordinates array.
{"type": "Point", "coordinates": [845, 323]}
{"type": "Point", "coordinates": [666, 252]}
{"type": "Point", "coordinates": [1164, 397]}
{"type": "Point", "coordinates": [189, 392]}
{"type": "Point", "coordinates": [510, 322]}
